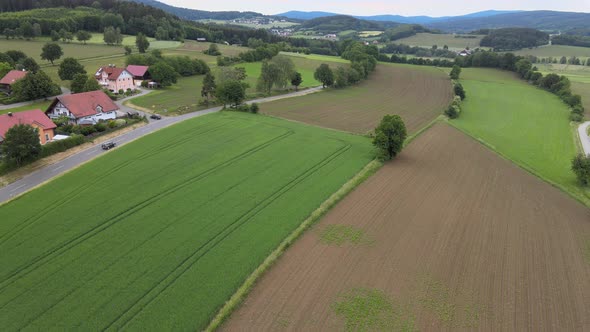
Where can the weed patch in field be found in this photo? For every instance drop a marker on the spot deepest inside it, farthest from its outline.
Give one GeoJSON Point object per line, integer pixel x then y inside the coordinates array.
{"type": "Point", "coordinates": [340, 235]}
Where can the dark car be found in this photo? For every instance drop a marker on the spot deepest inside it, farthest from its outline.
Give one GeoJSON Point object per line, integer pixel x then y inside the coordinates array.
{"type": "Point", "coordinates": [155, 117]}
{"type": "Point", "coordinates": [108, 145]}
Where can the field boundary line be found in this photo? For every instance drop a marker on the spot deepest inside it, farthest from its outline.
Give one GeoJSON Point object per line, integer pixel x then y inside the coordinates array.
{"type": "Point", "coordinates": [315, 216]}
{"type": "Point", "coordinates": [582, 198]}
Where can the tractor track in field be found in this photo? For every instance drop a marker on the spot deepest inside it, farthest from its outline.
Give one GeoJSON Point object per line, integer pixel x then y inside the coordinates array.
{"type": "Point", "coordinates": [45, 258]}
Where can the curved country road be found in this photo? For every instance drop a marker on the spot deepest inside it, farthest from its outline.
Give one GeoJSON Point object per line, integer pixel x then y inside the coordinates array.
{"type": "Point", "coordinates": [47, 173]}
{"type": "Point", "coordinates": [584, 138]}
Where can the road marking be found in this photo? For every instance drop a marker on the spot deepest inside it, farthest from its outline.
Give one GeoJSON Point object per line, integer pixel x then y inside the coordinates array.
{"type": "Point", "coordinates": [17, 188]}
{"type": "Point", "coordinates": [55, 169]}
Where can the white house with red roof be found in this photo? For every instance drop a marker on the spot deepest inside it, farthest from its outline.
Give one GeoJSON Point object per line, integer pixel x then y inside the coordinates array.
{"type": "Point", "coordinates": [140, 73]}
{"type": "Point", "coordinates": [10, 78]}
{"type": "Point", "coordinates": [114, 79]}
{"type": "Point", "coordinates": [34, 118]}
{"type": "Point", "coordinates": [85, 108]}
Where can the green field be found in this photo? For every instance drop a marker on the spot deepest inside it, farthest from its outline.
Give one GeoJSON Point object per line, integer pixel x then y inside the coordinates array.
{"type": "Point", "coordinates": [556, 51]}
{"type": "Point", "coordinates": [74, 50]}
{"type": "Point", "coordinates": [35, 106]}
{"type": "Point", "coordinates": [161, 232]}
{"type": "Point", "coordinates": [578, 75]}
{"type": "Point", "coordinates": [527, 125]}
{"type": "Point", "coordinates": [430, 39]}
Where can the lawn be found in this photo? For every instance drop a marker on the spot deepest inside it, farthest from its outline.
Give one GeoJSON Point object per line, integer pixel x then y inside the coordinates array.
{"type": "Point", "coordinates": [160, 233]}
{"type": "Point", "coordinates": [430, 39]}
{"type": "Point", "coordinates": [527, 125]}
{"type": "Point", "coordinates": [35, 106]}
{"type": "Point", "coordinates": [74, 50]}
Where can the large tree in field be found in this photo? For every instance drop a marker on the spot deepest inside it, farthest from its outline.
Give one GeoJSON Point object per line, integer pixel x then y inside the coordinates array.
{"type": "Point", "coordinates": [296, 80]}
{"type": "Point", "coordinates": [21, 144]}
{"type": "Point", "coordinates": [112, 36]}
{"type": "Point", "coordinates": [83, 36]}
{"type": "Point", "coordinates": [209, 86]}
{"type": "Point", "coordinates": [34, 86]}
{"type": "Point", "coordinates": [51, 52]}
{"type": "Point", "coordinates": [142, 42]}
{"type": "Point", "coordinates": [231, 92]}
{"type": "Point", "coordinates": [269, 74]}
{"type": "Point", "coordinates": [390, 136]}
{"type": "Point", "coordinates": [581, 167]}
{"type": "Point", "coordinates": [69, 68]}
{"type": "Point", "coordinates": [324, 74]}
{"type": "Point", "coordinates": [163, 73]}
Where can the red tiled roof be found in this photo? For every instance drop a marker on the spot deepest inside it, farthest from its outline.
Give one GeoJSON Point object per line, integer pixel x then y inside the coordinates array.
{"type": "Point", "coordinates": [137, 70]}
{"type": "Point", "coordinates": [85, 103]}
{"type": "Point", "coordinates": [113, 72]}
{"type": "Point", "coordinates": [33, 117]}
{"type": "Point", "coordinates": [13, 76]}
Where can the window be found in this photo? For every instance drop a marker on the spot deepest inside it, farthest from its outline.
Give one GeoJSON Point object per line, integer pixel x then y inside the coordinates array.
{"type": "Point", "coordinates": [46, 137]}
{"type": "Point", "coordinates": [98, 109]}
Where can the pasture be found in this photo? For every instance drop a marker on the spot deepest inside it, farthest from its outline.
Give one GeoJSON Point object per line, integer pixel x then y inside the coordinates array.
{"type": "Point", "coordinates": [429, 39]}
{"type": "Point", "coordinates": [527, 125]}
{"type": "Point", "coordinates": [459, 239]}
{"type": "Point", "coordinates": [159, 233]}
{"type": "Point", "coordinates": [417, 94]}
{"type": "Point", "coordinates": [556, 51]}
{"type": "Point", "coordinates": [34, 106]}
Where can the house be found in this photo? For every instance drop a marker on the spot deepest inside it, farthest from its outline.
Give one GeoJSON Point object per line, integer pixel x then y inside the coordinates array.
{"type": "Point", "coordinates": [10, 78]}
{"type": "Point", "coordinates": [140, 74]}
{"type": "Point", "coordinates": [87, 108]}
{"type": "Point", "coordinates": [34, 118]}
{"type": "Point", "coordinates": [114, 79]}
{"type": "Point", "coordinates": [464, 53]}
{"type": "Point", "coordinates": [201, 39]}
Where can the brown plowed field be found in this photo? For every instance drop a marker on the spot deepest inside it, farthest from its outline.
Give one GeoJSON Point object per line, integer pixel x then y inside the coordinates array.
{"type": "Point", "coordinates": [455, 238]}
{"type": "Point", "coordinates": [417, 94]}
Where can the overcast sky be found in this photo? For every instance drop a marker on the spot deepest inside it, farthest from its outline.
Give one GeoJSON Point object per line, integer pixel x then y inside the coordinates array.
{"type": "Point", "coordinates": [374, 7]}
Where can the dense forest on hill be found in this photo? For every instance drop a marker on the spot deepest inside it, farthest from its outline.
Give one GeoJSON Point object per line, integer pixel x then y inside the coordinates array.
{"type": "Point", "coordinates": [571, 40]}
{"type": "Point", "coordinates": [194, 14]}
{"type": "Point", "coordinates": [514, 38]}
{"type": "Point", "coordinates": [335, 24]}
{"type": "Point", "coordinates": [403, 31]}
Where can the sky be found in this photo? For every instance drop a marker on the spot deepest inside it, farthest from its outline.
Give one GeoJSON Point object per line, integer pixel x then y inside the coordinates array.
{"type": "Point", "coordinates": [374, 7]}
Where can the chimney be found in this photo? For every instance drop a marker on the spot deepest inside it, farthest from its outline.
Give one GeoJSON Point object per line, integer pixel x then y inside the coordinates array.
{"type": "Point", "coordinates": [9, 113]}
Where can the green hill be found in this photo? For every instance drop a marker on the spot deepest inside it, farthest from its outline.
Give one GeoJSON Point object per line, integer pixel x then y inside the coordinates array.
{"type": "Point", "coordinates": [335, 24]}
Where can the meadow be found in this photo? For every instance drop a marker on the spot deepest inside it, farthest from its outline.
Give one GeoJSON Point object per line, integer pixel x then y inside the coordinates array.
{"type": "Point", "coordinates": [159, 233]}
{"type": "Point", "coordinates": [42, 105]}
{"type": "Point", "coordinates": [556, 51]}
{"type": "Point", "coordinates": [527, 125]}
{"type": "Point", "coordinates": [417, 94]}
{"type": "Point", "coordinates": [429, 39]}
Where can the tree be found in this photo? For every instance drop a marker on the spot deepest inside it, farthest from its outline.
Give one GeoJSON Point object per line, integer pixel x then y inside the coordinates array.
{"type": "Point", "coordinates": [55, 36]}
{"type": "Point", "coordinates": [142, 42]}
{"type": "Point", "coordinates": [581, 166]}
{"type": "Point", "coordinates": [459, 91]}
{"type": "Point", "coordinates": [163, 73]}
{"type": "Point", "coordinates": [16, 56]}
{"type": "Point", "coordinates": [128, 50]}
{"type": "Point", "coordinates": [21, 144]}
{"type": "Point", "coordinates": [296, 80]}
{"type": "Point", "coordinates": [29, 64]}
{"type": "Point", "coordinates": [68, 68]}
{"type": "Point", "coordinates": [286, 68]}
{"type": "Point", "coordinates": [112, 36]}
{"type": "Point", "coordinates": [231, 92]}
{"type": "Point", "coordinates": [4, 68]}
{"type": "Point", "coordinates": [37, 32]}
{"type": "Point", "coordinates": [34, 86]}
{"type": "Point", "coordinates": [83, 36]}
{"type": "Point", "coordinates": [78, 83]}
{"type": "Point", "coordinates": [51, 52]}
{"type": "Point", "coordinates": [162, 34]}
{"type": "Point", "coordinates": [269, 74]}
{"type": "Point", "coordinates": [66, 36]}
{"type": "Point", "coordinates": [9, 33]}
{"type": "Point", "coordinates": [390, 136]}
{"type": "Point", "coordinates": [563, 60]}
{"type": "Point", "coordinates": [455, 72]}
{"type": "Point", "coordinates": [91, 85]}
{"type": "Point", "coordinates": [213, 50]}
{"type": "Point", "coordinates": [27, 30]}
{"type": "Point", "coordinates": [209, 86]}
{"type": "Point", "coordinates": [523, 66]}
{"type": "Point", "coordinates": [324, 74]}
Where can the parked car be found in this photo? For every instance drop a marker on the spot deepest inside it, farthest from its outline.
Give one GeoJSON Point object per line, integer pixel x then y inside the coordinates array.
{"type": "Point", "coordinates": [108, 145]}
{"type": "Point", "coordinates": [155, 117]}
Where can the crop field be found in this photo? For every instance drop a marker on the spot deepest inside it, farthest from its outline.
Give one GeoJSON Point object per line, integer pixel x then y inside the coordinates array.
{"type": "Point", "coordinates": [527, 125]}
{"type": "Point", "coordinates": [556, 51]}
{"type": "Point", "coordinates": [179, 217]}
{"type": "Point", "coordinates": [417, 94]}
{"type": "Point", "coordinates": [448, 236]}
{"type": "Point", "coordinates": [366, 34]}
{"type": "Point", "coordinates": [430, 39]}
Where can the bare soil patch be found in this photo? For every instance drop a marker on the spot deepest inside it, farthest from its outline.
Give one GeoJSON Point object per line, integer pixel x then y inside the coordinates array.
{"type": "Point", "coordinates": [417, 94]}
{"type": "Point", "coordinates": [463, 239]}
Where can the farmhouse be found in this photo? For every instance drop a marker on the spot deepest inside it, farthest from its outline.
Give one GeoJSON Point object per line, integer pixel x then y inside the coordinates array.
{"type": "Point", "coordinates": [34, 118]}
{"type": "Point", "coordinates": [140, 73]}
{"type": "Point", "coordinates": [464, 53]}
{"type": "Point", "coordinates": [85, 108]}
{"type": "Point", "coordinates": [114, 79]}
{"type": "Point", "coordinates": [10, 78]}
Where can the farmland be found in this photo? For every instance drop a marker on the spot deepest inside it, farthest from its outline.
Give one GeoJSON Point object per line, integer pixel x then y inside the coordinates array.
{"type": "Point", "coordinates": [42, 105]}
{"type": "Point", "coordinates": [527, 125]}
{"type": "Point", "coordinates": [181, 216]}
{"type": "Point", "coordinates": [430, 39]}
{"type": "Point", "coordinates": [417, 94]}
{"type": "Point", "coordinates": [556, 51]}
{"type": "Point", "coordinates": [453, 238]}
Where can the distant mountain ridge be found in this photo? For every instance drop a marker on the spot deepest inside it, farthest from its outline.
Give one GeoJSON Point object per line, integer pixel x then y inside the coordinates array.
{"type": "Point", "coordinates": [301, 15]}
{"type": "Point", "coordinates": [195, 14]}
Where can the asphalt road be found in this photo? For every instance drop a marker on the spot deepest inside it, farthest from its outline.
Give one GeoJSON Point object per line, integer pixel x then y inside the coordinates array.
{"type": "Point", "coordinates": [584, 138]}
{"type": "Point", "coordinates": [47, 173]}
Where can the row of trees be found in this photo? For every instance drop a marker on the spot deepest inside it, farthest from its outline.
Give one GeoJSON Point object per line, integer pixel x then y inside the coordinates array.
{"type": "Point", "coordinates": [26, 30]}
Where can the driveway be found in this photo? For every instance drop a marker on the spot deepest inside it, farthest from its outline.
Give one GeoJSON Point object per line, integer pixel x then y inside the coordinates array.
{"type": "Point", "coordinates": [64, 91]}
{"type": "Point", "coordinates": [40, 176]}
{"type": "Point", "coordinates": [583, 132]}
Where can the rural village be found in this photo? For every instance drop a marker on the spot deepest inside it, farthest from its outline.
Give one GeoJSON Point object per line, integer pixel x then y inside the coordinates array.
{"type": "Point", "coordinates": [168, 167]}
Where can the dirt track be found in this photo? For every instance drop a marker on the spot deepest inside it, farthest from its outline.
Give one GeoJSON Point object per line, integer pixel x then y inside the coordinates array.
{"type": "Point", "coordinates": [417, 94]}
{"type": "Point", "coordinates": [454, 235]}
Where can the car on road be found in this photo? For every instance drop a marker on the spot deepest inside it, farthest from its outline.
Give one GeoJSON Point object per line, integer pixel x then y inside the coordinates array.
{"type": "Point", "coordinates": [108, 145]}
{"type": "Point", "coordinates": [155, 117]}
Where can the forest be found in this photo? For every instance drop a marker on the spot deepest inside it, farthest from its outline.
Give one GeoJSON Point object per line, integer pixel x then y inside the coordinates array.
{"type": "Point", "coordinates": [508, 39]}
